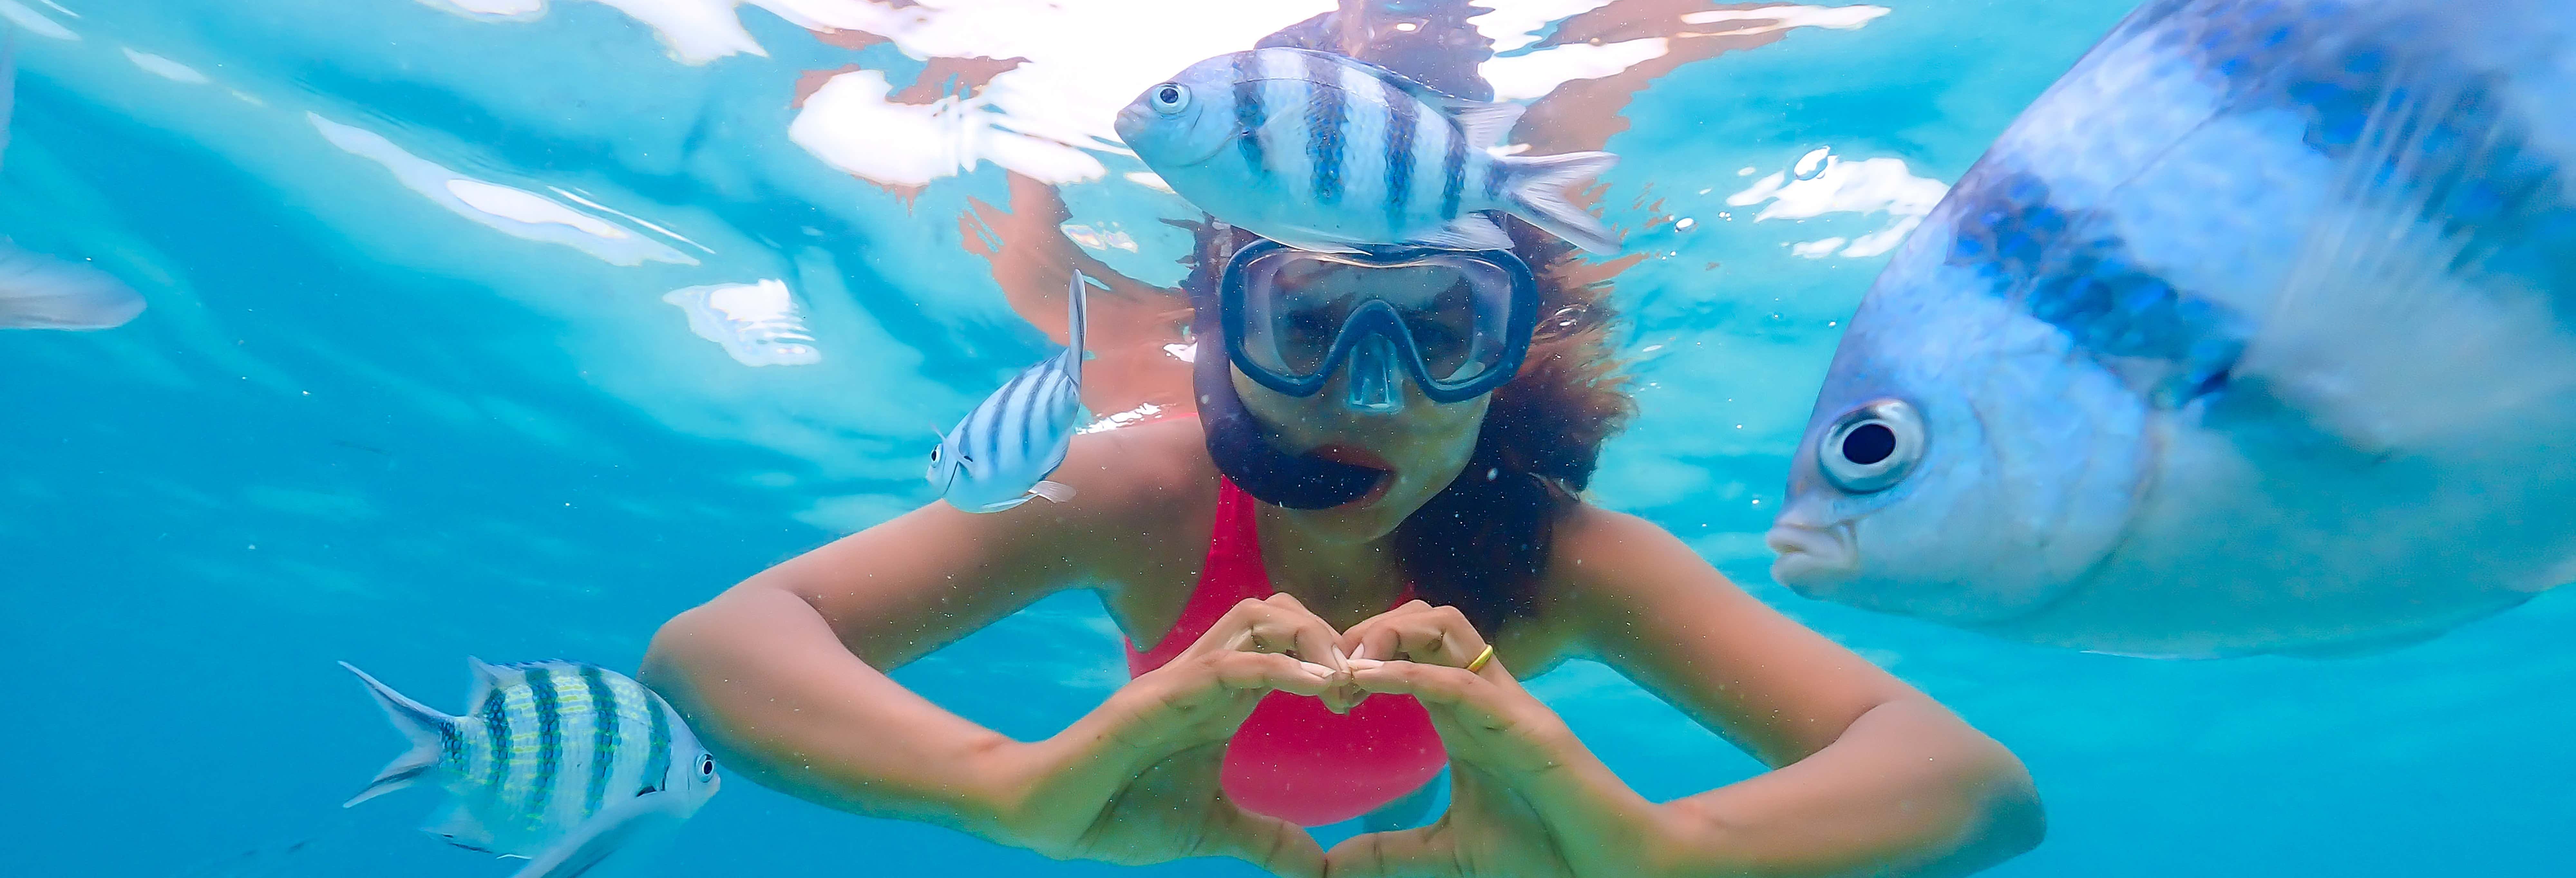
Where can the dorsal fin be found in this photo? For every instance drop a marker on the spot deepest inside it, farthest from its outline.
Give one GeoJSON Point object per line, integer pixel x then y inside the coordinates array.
{"type": "Point", "coordinates": [486, 678]}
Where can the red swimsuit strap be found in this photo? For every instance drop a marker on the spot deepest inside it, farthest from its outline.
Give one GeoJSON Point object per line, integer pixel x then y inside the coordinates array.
{"type": "Point", "coordinates": [1231, 573]}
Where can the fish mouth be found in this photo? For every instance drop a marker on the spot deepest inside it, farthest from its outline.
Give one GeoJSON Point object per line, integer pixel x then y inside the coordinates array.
{"type": "Point", "coordinates": [1814, 561]}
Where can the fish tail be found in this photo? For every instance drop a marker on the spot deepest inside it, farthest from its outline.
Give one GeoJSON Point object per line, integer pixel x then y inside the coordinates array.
{"type": "Point", "coordinates": [432, 735]}
{"type": "Point", "coordinates": [1537, 194]}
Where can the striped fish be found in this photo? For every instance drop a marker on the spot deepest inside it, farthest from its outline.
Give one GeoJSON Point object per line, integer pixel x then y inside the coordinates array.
{"type": "Point", "coordinates": [2255, 333]}
{"type": "Point", "coordinates": [1001, 454]}
{"type": "Point", "coordinates": [558, 762]}
{"type": "Point", "coordinates": [1324, 152]}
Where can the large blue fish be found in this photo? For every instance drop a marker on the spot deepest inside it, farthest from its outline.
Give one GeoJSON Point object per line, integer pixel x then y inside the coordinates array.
{"type": "Point", "coordinates": [999, 456]}
{"type": "Point", "coordinates": [1323, 152]}
{"type": "Point", "coordinates": [2256, 333]}
{"type": "Point", "coordinates": [39, 291]}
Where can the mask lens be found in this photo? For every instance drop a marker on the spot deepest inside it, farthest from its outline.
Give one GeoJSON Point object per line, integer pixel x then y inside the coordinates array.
{"type": "Point", "coordinates": [1295, 306]}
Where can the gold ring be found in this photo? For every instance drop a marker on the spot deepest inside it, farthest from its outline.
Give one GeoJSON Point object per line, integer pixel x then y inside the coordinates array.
{"type": "Point", "coordinates": [1481, 659]}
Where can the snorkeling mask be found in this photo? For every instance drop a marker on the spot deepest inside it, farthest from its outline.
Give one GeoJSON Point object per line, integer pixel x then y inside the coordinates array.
{"type": "Point", "coordinates": [1458, 322]}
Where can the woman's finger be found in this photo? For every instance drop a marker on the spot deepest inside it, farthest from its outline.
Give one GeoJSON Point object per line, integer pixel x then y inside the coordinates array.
{"type": "Point", "coordinates": [1273, 844]}
{"type": "Point", "coordinates": [1440, 685]}
{"type": "Point", "coordinates": [1422, 633]}
{"type": "Point", "coordinates": [1201, 698]}
{"type": "Point", "coordinates": [1410, 853]}
{"type": "Point", "coordinates": [1258, 671]}
{"type": "Point", "coordinates": [1277, 624]}
{"type": "Point", "coordinates": [1483, 720]}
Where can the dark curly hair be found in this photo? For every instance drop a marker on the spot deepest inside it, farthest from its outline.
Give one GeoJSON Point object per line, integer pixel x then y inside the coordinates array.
{"type": "Point", "coordinates": [1481, 543]}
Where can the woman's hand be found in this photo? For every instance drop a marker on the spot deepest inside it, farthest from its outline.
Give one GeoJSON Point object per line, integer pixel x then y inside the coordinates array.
{"type": "Point", "coordinates": [1526, 799]}
{"type": "Point", "coordinates": [1136, 781]}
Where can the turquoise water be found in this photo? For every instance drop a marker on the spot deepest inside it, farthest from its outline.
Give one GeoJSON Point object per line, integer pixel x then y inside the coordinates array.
{"type": "Point", "coordinates": [382, 409]}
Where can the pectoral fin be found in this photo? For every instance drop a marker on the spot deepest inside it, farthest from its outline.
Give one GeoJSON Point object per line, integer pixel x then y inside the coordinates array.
{"type": "Point", "coordinates": [1474, 231]}
{"type": "Point", "coordinates": [1056, 491]}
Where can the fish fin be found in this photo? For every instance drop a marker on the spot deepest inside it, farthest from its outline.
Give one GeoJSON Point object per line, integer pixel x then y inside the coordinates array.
{"type": "Point", "coordinates": [41, 292]}
{"type": "Point", "coordinates": [458, 826]}
{"type": "Point", "coordinates": [1483, 124]}
{"type": "Point", "coordinates": [487, 678]}
{"type": "Point", "coordinates": [1538, 195]}
{"type": "Point", "coordinates": [1474, 231]}
{"type": "Point", "coordinates": [417, 722]}
{"type": "Point", "coordinates": [603, 834]}
{"type": "Point", "coordinates": [1076, 308]}
{"type": "Point", "coordinates": [997, 507]}
{"type": "Point", "coordinates": [1056, 491]}
{"type": "Point", "coordinates": [2391, 331]}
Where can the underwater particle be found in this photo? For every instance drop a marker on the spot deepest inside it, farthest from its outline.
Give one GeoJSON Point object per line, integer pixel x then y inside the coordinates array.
{"type": "Point", "coordinates": [758, 324]}
{"type": "Point", "coordinates": [1684, 224]}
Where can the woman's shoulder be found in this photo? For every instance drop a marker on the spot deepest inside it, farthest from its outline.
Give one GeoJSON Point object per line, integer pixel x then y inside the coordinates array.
{"type": "Point", "coordinates": [1604, 557]}
{"type": "Point", "coordinates": [1142, 472]}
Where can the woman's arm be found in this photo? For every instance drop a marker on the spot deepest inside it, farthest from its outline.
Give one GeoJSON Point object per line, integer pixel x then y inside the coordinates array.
{"type": "Point", "coordinates": [1871, 776]}
{"type": "Point", "coordinates": [785, 673]}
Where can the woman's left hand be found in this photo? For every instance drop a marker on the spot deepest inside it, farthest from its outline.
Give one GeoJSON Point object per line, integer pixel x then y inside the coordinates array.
{"type": "Point", "coordinates": [1526, 798]}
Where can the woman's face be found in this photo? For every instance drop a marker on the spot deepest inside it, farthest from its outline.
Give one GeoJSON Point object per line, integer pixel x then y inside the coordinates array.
{"type": "Point", "coordinates": [1423, 446]}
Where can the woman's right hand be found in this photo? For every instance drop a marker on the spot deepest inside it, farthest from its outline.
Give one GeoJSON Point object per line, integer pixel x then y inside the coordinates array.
{"type": "Point", "coordinates": [1136, 781]}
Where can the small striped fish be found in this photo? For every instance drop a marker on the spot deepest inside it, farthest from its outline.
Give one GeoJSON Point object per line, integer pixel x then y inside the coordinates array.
{"type": "Point", "coordinates": [1324, 152]}
{"type": "Point", "coordinates": [558, 762]}
{"type": "Point", "coordinates": [1001, 454]}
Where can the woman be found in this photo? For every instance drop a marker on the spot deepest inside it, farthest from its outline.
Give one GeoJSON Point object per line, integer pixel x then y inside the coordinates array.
{"type": "Point", "coordinates": [1330, 579]}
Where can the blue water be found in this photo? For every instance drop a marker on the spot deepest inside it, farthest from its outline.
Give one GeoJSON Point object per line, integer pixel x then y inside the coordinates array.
{"type": "Point", "coordinates": [357, 423]}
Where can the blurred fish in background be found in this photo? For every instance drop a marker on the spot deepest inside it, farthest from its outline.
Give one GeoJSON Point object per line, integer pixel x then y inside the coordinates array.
{"type": "Point", "coordinates": [42, 292]}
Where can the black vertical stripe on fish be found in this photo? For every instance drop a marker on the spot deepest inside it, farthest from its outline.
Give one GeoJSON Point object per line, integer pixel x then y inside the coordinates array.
{"type": "Point", "coordinates": [541, 692]}
{"type": "Point", "coordinates": [1248, 112]}
{"type": "Point", "coordinates": [2065, 268]}
{"type": "Point", "coordinates": [451, 745]}
{"type": "Point", "coordinates": [496, 721]}
{"type": "Point", "coordinates": [1494, 179]}
{"type": "Point", "coordinates": [1326, 117]}
{"type": "Point", "coordinates": [983, 436]}
{"type": "Point", "coordinates": [1402, 117]}
{"type": "Point", "coordinates": [657, 763]}
{"type": "Point", "coordinates": [1453, 173]}
{"type": "Point", "coordinates": [1033, 423]}
{"type": "Point", "coordinates": [1010, 421]}
{"type": "Point", "coordinates": [603, 738]}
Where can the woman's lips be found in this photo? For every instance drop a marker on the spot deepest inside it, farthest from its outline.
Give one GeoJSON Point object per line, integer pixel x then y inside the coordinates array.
{"type": "Point", "coordinates": [1353, 455]}
{"type": "Point", "coordinates": [1360, 457]}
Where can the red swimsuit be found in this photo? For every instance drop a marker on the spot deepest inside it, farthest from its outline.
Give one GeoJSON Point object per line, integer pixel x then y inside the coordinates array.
{"type": "Point", "coordinates": [1293, 759]}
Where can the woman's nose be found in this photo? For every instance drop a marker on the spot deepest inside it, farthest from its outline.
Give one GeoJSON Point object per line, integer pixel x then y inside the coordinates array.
{"type": "Point", "coordinates": [1372, 382]}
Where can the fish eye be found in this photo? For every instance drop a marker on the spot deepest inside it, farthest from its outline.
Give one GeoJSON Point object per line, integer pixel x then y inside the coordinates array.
{"type": "Point", "coordinates": [1171, 97]}
{"type": "Point", "coordinates": [934, 454]}
{"type": "Point", "coordinates": [706, 765]}
{"type": "Point", "coordinates": [1872, 448]}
